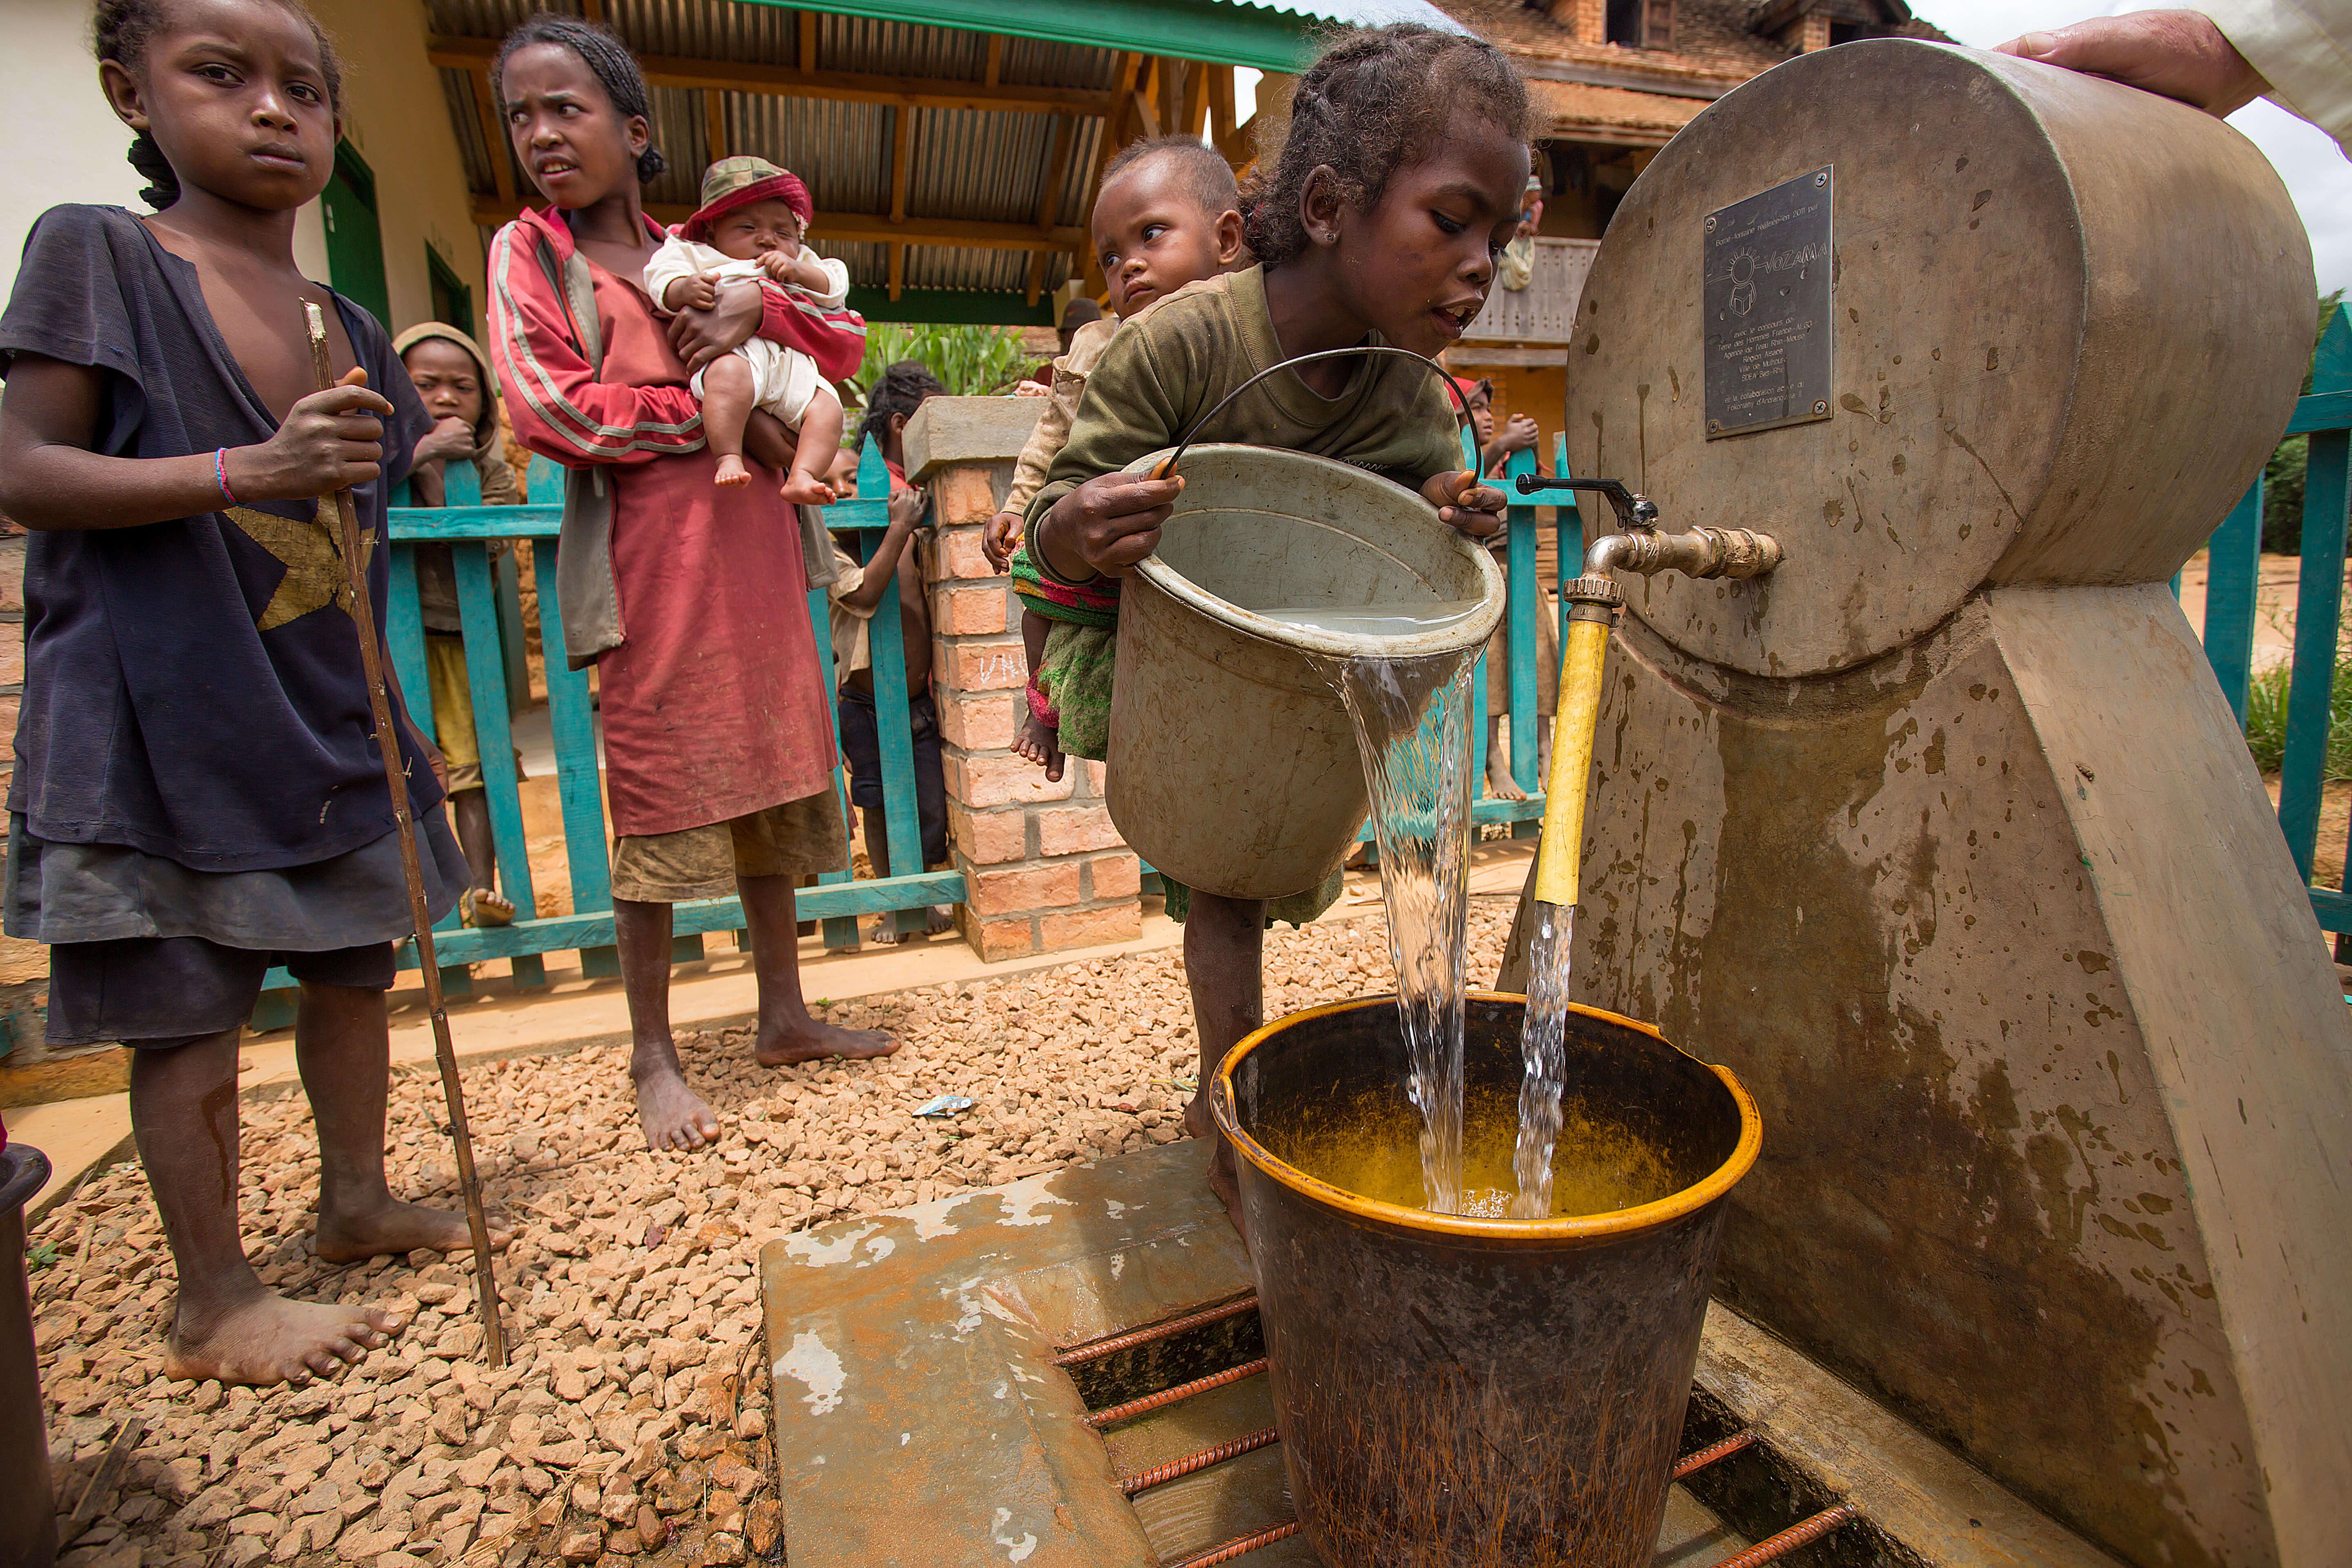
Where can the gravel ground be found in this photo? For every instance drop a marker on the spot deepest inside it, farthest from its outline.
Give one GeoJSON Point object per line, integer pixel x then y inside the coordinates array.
{"type": "Point", "coordinates": [633, 1420]}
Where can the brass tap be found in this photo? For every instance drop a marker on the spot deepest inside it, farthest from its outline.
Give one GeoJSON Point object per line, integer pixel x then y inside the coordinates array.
{"type": "Point", "coordinates": [1638, 547]}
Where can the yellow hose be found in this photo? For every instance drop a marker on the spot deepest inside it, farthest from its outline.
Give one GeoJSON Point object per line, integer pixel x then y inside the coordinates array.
{"type": "Point", "coordinates": [1558, 862]}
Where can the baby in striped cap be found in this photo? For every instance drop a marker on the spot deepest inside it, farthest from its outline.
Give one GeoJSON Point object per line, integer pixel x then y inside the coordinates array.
{"type": "Point", "coordinates": [750, 225]}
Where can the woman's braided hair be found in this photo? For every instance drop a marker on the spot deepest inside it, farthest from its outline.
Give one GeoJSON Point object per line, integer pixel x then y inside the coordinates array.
{"type": "Point", "coordinates": [607, 57]}
{"type": "Point", "coordinates": [1376, 101]}
{"type": "Point", "coordinates": [901, 390]}
{"type": "Point", "coordinates": [121, 30]}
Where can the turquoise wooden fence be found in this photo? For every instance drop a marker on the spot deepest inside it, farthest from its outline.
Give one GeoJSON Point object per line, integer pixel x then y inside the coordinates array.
{"type": "Point", "coordinates": [490, 608]}
{"type": "Point", "coordinates": [2324, 416]}
{"type": "Point", "coordinates": [1525, 601]}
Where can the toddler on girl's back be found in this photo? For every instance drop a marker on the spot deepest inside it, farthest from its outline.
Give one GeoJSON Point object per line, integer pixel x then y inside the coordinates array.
{"type": "Point", "coordinates": [1380, 223]}
{"type": "Point", "coordinates": [1168, 214]}
{"type": "Point", "coordinates": [749, 226]}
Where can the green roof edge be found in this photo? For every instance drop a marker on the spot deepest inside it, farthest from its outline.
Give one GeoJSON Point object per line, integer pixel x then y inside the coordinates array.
{"type": "Point", "coordinates": [1259, 36]}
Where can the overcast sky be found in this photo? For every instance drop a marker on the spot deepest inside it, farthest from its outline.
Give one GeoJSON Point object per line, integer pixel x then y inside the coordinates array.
{"type": "Point", "coordinates": [2314, 171]}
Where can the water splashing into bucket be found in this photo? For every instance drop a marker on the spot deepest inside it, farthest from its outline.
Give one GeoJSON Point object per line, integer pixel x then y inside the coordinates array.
{"type": "Point", "coordinates": [1412, 728]}
{"type": "Point", "coordinates": [1543, 1050]}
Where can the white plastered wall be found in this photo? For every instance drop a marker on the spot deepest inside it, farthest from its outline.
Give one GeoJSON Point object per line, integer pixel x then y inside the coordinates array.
{"type": "Point", "coordinates": [60, 142]}
{"type": "Point", "coordinates": [398, 119]}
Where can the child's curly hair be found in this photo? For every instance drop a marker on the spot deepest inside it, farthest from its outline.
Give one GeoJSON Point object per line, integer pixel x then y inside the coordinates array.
{"type": "Point", "coordinates": [608, 58]}
{"type": "Point", "coordinates": [1377, 99]}
{"type": "Point", "coordinates": [900, 389]}
{"type": "Point", "coordinates": [121, 30]}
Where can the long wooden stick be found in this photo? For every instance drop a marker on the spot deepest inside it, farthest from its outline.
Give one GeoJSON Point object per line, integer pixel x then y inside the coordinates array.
{"type": "Point", "coordinates": [362, 607]}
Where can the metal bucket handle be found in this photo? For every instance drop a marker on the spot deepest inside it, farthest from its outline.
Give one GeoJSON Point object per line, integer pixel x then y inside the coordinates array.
{"type": "Point", "coordinates": [1169, 465]}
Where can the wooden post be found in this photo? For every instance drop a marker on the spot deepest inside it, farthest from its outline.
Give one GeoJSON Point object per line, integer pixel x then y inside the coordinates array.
{"type": "Point", "coordinates": [1221, 109]}
{"type": "Point", "coordinates": [387, 740]}
{"type": "Point", "coordinates": [714, 122]}
{"type": "Point", "coordinates": [494, 133]}
{"type": "Point", "coordinates": [902, 153]}
{"type": "Point", "coordinates": [1195, 114]}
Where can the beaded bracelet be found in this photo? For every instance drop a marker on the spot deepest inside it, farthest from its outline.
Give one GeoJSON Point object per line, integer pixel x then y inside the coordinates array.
{"type": "Point", "coordinates": [220, 477]}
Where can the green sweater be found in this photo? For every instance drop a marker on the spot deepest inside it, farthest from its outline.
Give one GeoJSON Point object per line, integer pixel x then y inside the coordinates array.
{"type": "Point", "coordinates": [1175, 361]}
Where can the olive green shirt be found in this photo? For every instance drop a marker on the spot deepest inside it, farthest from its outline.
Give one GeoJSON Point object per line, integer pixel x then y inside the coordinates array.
{"type": "Point", "coordinates": [1171, 366]}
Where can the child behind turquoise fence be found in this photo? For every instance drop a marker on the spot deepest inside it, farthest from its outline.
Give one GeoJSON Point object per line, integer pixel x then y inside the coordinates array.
{"type": "Point", "coordinates": [452, 375]}
{"type": "Point", "coordinates": [1396, 187]}
{"type": "Point", "coordinates": [198, 795]}
{"type": "Point", "coordinates": [1168, 214]}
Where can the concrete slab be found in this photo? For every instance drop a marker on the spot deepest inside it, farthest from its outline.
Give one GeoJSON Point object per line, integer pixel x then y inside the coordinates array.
{"type": "Point", "coordinates": [919, 1419]}
{"type": "Point", "coordinates": [77, 1135]}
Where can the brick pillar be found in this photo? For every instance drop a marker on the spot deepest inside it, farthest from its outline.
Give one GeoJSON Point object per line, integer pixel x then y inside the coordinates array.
{"type": "Point", "coordinates": [1044, 869]}
{"type": "Point", "coordinates": [1588, 19]}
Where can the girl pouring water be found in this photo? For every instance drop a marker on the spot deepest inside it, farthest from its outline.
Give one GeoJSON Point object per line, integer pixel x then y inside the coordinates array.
{"type": "Point", "coordinates": [1397, 187]}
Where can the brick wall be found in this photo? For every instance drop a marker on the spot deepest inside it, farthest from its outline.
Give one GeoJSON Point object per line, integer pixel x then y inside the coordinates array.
{"type": "Point", "coordinates": [1044, 869]}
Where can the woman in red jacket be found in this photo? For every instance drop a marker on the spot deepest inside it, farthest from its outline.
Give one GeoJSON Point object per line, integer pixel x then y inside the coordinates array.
{"type": "Point", "coordinates": [687, 596]}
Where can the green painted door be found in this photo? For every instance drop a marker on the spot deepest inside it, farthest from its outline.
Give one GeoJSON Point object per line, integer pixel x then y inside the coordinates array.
{"type": "Point", "coordinates": [452, 302]}
{"type": "Point", "coordinates": [354, 238]}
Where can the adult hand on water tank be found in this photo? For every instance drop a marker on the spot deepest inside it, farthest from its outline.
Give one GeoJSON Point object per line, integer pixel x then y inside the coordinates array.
{"type": "Point", "coordinates": [2175, 53]}
{"type": "Point", "coordinates": [1106, 525]}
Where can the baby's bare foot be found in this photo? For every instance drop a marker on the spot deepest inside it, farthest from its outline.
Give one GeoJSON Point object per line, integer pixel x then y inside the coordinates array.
{"type": "Point", "coordinates": [807, 489]}
{"type": "Point", "coordinates": [810, 1039]}
{"type": "Point", "coordinates": [268, 1339]}
{"type": "Point", "coordinates": [399, 1227]}
{"type": "Point", "coordinates": [731, 472]}
{"type": "Point", "coordinates": [1042, 744]}
{"type": "Point", "coordinates": [1501, 785]}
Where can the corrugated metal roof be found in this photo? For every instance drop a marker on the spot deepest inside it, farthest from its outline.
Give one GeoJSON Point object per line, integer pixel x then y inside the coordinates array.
{"type": "Point", "coordinates": [982, 165]}
{"type": "Point", "coordinates": [840, 151]}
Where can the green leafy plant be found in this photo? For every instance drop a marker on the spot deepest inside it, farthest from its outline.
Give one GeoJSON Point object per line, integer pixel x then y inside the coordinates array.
{"type": "Point", "coordinates": [2266, 703]}
{"type": "Point", "coordinates": [2283, 475]}
{"type": "Point", "coordinates": [39, 1256]}
{"type": "Point", "coordinates": [970, 361]}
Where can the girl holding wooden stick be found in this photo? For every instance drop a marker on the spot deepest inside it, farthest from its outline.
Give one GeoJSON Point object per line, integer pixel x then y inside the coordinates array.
{"type": "Point", "coordinates": [198, 795]}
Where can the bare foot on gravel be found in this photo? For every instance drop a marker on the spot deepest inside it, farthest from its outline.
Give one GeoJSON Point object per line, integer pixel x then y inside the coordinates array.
{"type": "Point", "coordinates": [1041, 744]}
{"type": "Point", "coordinates": [673, 1116]}
{"type": "Point", "coordinates": [812, 1039]}
{"type": "Point", "coordinates": [1199, 1121]}
{"type": "Point", "coordinates": [268, 1339]}
{"type": "Point", "coordinates": [399, 1227]}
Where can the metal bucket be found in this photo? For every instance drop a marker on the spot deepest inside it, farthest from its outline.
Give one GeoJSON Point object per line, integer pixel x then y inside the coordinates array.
{"type": "Point", "coordinates": [1456, 1392]}
{"type": "Point", "coordinates": [1233, 765]}
{"type": "Point", "coordinates": [28, 1525]}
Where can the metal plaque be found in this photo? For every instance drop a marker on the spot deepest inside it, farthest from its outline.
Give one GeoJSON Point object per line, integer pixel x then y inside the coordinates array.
{"type": "Point", "coordinates": [1768, 308]}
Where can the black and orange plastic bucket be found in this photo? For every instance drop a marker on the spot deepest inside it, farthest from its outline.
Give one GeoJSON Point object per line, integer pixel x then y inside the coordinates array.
{"type": "Point", "coordinates": [1458, 1390]}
